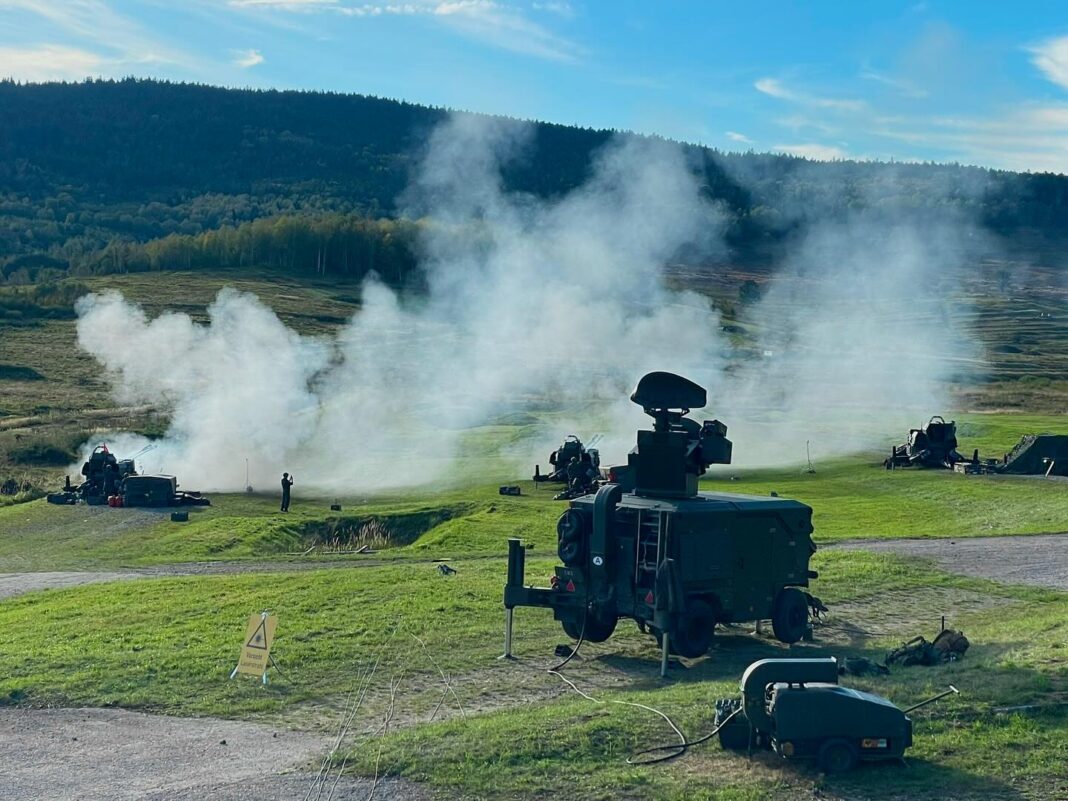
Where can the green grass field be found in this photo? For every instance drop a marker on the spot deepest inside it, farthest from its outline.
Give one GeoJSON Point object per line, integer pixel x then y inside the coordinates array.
{"type": "Point", "coordinates": [419, 648]}
{"type": "Point", "coordinates": [168, 644]}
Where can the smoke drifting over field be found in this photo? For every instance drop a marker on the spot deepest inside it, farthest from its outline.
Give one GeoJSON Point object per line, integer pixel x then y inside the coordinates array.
{"type": "Point", "coordinates": [527, 299]}
{"type": "Point", "coordinates": [536, 306]}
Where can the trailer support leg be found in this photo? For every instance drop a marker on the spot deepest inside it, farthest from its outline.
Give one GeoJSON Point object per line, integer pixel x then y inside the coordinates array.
{"type": "Point", "coordinates": [665, 649]}
{"type": "Point", "coordinates": [508, 614]}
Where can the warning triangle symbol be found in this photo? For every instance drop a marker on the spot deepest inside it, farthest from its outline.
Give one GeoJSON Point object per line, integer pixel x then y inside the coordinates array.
{"type": "Point", "coordinates": [259, 637]}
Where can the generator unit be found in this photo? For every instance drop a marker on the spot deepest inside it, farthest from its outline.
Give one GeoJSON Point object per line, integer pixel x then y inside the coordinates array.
{"type": "Point", "coordinates": [796, 708]}
{"type": "Point", "coordinates": [648, 546]}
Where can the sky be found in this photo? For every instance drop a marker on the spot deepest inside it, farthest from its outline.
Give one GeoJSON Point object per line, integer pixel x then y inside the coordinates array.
{"type": "Point", "coordinates": [968, 81]}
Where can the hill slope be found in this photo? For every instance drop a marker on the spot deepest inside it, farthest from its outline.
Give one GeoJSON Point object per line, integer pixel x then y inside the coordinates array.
{"type": "Point", "coordinates": [82, 164]}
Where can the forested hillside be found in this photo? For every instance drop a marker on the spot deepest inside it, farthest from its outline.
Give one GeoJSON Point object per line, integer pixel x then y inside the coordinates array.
{"type": "Point", "coordinates": [107, 176]}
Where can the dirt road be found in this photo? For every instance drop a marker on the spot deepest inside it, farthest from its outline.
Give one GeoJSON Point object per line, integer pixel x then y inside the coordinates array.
{"type": "Point", "coordinates": [1040, 560]}
{"type": "Point", "coordinates": [109, 754]}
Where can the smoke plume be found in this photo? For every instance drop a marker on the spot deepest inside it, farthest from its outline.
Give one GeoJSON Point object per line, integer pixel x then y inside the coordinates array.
{"type": "Point", "coordinates": [551, 303]}
{"type": "Point", "coordinates": [551, 307]}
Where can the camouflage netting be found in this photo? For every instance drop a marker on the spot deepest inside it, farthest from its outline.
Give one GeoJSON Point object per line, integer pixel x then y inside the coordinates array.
{"type": "Point", "coordinates": [1033, 455]}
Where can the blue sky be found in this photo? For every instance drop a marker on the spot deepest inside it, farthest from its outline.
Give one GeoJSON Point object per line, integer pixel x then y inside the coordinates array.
{"type": "Point", "coordinates": [980, 82]}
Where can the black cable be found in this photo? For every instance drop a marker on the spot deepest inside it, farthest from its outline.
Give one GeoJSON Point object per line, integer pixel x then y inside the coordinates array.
{"type": "Point", "coordinates": [678, 748]}
{"type": "Point", "coordinates": [582, 634]}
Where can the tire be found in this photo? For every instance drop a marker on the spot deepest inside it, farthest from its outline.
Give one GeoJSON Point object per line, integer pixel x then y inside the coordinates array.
{"type": "Point", "coordinates": [596, 630]}
{"type": "Point", "coordinates": [571, 544]}
{"type": "Point", "coordinates": [837, 756]}
{"type": "Point", "coordinates": [789, 617]}
{"type": "Point", "coordinates": [571, 552]}
{"type": "Point", "coordinates": [734, 735]}
{"type": "Point", "coordinates": [693, 636]}
{"type": "Point", "coordinates": [572, 630]}
{"type": "Point", "coordinates": [599, 630]}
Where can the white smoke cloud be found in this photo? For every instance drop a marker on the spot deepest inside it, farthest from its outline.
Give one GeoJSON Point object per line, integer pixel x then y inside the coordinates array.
{"type": "Point", "coordinates": [860, 337]}
{"type": "Point", "coordinates": [530, 301]}
{"type": "Point", "coordinates": [553, 306]}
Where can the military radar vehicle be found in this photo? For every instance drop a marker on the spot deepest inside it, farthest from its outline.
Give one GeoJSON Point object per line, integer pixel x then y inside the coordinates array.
{"type": "Point", "coordinates": [651, 548]}
{"type": "Point", "coordinates": [796, 708]}
{"type": "Point", "coordinates": [934, 445]}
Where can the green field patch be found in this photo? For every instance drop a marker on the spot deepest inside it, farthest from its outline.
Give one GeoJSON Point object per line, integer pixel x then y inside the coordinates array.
{"type": "Point", "coordinates": [857, 498]}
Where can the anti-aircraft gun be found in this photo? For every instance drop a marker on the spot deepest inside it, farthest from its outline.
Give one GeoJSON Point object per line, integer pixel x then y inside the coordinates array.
{"type": "Point", "coordinates": [113, 481]}
{"type": "Point", "coordinates": [934, 445]}
{"type": "Point", "coordinates": [650, 547]}
{"type": "Point", "coordinates": [559, 460]}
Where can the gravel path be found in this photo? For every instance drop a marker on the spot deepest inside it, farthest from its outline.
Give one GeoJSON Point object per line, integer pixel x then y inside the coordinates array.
{"type": "Point", "coordinates": [108, 755]}
{"type": "Point", "coordinates": [12, 584]}
{"type": "Point", "coordinates": [1040, 559]}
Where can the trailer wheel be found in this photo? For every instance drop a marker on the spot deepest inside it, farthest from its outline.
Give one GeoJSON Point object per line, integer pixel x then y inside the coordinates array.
{"type": "Point", "coordinates": [789, 618]}
{"type": "Point", "coordinates": [837, 756]}
{"type": "Point", "coordinates": [693, 636]}
{"type": "Point", "coordinates": [597, 630]}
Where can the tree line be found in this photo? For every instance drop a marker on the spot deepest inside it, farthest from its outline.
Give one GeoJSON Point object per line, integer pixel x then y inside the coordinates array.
{"type": "Point", "coordinates": [134, 174]}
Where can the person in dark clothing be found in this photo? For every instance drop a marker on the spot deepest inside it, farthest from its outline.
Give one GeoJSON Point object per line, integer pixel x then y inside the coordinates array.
{"type": "Point", "coordinates": [287, 482]}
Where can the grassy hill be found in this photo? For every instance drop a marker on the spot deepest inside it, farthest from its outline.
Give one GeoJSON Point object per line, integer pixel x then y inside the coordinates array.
{"type": "Point", "coordinates": [87, 167]}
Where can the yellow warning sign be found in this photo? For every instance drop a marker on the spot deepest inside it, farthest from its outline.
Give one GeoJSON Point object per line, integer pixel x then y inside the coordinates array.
{"type": "Point", "coordinates": [256, 652]}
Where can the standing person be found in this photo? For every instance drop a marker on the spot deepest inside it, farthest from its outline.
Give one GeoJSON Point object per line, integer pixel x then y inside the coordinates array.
{"type": "Point", "coordinates": [287, 482]}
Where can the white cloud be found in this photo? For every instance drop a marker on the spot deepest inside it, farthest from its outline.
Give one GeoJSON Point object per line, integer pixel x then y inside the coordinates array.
{"type": "Point", "coordinates": [50, 63]}
{"type": "Point", "coordinates": [775, 88]}
{"type": "Point", "coordinates": [247, 58]}
{"type": "Point", "coordinates": [1051, 57]}
{"type": "Point", "coordinates": [734, 136]}
{"type": "Point", "coordinates": [100, 27]}
{"type": "Point", "coordinates": [494, 23]}
{"type": "Point", "coordinates": [285, 5]}
{"type": "Point", "coordinates": [903, 87]}
{"type": "Point", "coordinates": [1031, 138]}
{"type": "Point", "coordinates": [562, 9]}
{"type": "Point", "coordinates": [813, 151]}
{"type": "Point", "coordinates": [507, 29]}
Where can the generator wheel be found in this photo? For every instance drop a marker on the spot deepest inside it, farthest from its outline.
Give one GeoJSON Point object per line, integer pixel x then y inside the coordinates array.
{"type": "Point", "coordinates": [837, 756]}
{"type": "Point", "coordinates": [693, 636]}
{"type": "Point", "coordinates": [789, 617]}
{"type": "Point", "coordinates": [734, 734]}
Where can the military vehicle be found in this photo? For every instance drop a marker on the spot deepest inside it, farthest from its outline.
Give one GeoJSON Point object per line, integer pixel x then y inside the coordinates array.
{"type": "Point", "coordinates": [560, 459]}
{"type": "Point", "coordinates": [650, 547]}
{"type": "Point", "coordinates": [796, 708]}
{"type": "Point", "coordinates": [103, 474]}
{"type": "Point", "coordinates": [934, 445]}
{"type": "Point", "coordinates": [113, 481]}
